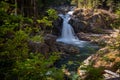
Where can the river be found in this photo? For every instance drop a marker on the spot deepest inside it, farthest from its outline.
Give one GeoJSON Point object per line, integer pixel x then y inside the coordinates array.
{"type": "Point", "coordinates": [72, 61]}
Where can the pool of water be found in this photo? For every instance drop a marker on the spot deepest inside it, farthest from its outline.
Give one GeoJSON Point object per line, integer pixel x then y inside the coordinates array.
{"type": "Point", "coordinates": [71, 62]}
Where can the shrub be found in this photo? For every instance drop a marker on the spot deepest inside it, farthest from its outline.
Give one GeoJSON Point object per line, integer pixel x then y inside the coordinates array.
{"type": "Point", "coordinates": [52, 14]}
{"type": "Point", "coordinates": [93, 73]}
{"type": "Point", "coordinates": [16, 62]}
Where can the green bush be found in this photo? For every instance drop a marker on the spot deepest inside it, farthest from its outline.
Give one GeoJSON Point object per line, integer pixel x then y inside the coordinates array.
{"type": "Point", "coordinates": [46, 23]}
{"type": "Point", "coordinates": [37, 38]}
{"type": "Point", "coordinates": [52, 14]}
{"type": "Point", "coordinates": [16, 61]}
{"type": "Point", "coordinates": [116, 44]}
{"type": "Point", "coordinates": [93, 73]}
{"type": "Point", "coordinates": [37, 67]}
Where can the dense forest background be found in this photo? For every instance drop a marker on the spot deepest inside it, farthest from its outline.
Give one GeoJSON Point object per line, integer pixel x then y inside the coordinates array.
{"type": "Point", "coordinates": [23, 21]}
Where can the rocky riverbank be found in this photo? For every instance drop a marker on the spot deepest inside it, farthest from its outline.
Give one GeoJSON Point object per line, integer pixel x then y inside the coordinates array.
{"type": "Point", "coordinates": [89, 20]}
{"type": "Point", "coordinates": [107, 58]}
{"type": "Point", "coordinates": [50, 45]}
{"type": "Point", "coordinates": [96, 26]}
{"type": "Point", "coordinates": [93, 25]}
{"type": "Point", "coordinates": [89, 25]}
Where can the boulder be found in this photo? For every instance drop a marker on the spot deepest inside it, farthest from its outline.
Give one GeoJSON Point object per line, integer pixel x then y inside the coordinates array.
{"type": "Point", "coordinates": [38, 47]}
{"type": "Point", "coordinates": [78, 25]}
{"type": "Point", "coordinates": [50, 40]}
{"type": "Point", "coordinates": [50, 45]}
{"type": "Point", "coordinates": [57, 26]}
{"type": "Point", "coordinates": [46, 47]}
{"type": "Point", "coordinates": [104, 58]}
{"type": "Point", "coordinates": [87, 20]}
{"type": "Point", "coordinates": [84, 36]}
{"type": "Point", "coordinates": [66, 48]}
{"type": "Point", "coordinates": [94, 38]}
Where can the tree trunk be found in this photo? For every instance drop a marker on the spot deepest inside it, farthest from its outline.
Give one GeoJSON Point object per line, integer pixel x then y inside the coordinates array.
{"type": "Point", "coordinates": [16, 7]}
{"type": "Point", "coordinates": [76, 1]}
{"type": "Point", "coordinates": [22, 7]}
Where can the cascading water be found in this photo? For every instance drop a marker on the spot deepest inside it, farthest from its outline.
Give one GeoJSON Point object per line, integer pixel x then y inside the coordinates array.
{"type": "Point", "coordinates": [68, 35]}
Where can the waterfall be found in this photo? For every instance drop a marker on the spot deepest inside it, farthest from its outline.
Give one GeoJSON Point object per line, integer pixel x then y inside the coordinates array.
{"type": "Point", "coordinates": [68, 35]}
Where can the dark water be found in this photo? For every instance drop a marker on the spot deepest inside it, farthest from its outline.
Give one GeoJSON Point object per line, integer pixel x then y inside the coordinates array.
{"type": "Point", "coordinates": [72, 61]}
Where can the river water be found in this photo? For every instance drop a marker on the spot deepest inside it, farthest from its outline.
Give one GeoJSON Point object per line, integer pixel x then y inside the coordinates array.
{"type": "Point", "coordinates": [68, 36]}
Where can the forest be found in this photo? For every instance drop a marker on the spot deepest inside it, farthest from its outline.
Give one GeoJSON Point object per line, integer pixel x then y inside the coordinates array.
{"type": "Point", "coordinates": [38, 43]}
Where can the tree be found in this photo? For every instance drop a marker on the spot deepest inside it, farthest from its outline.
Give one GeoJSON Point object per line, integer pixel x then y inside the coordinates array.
{"type": "Point", "coordinates": [16, 60]}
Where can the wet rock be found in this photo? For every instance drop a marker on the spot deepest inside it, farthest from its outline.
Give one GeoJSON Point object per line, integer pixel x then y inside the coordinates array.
{"type": "Point", "coordinates": [78, 25]}
{"type": "Point", "coordinates": [46, 47]}
{"type": "Point", "coordinates": [87, 20]}
{"type": "Point", "coordinates": [38, 47]}
{"type": "Point", "coordinates": [84, 36]}
{"type": "Point", "coordinates": [50, 40]}
{"type": "Point", "coordinates": [105, 59]}
{"type": "Point", "coordinates": [57, 26]}
{"type": "Point", "coordinates": [66, 48]}
{"type": "Point", "coordinates": [50, 45]}
{"type": "Point", "coordinates": [100, 39]}
{"type": "Point", "coordinates": [78, 11]}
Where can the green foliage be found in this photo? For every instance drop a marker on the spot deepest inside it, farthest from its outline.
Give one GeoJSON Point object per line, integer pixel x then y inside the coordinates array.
{"type": "Point", "coordinates": [52, 14]}
{"type": "Point", "coordinates": [109, 2]}
{"type": "Point", "coordinates": [13, 50]}
{"type": "Point", "coordinates": [116, 23]}
{"type": "Point", "coordinates": [4, 6]}
{"type": "Point", "coordinates": [73, 2]}
{"type": "Point", "coordinates": [117, 65]}
{"type": "Point", "coordinates": [37, 67]}
{"type": "Point", "coordinates": [105, 58]}
{"type": "Point", "coordinates": [118, 12]}
{"type": "Point", "coordinates": [16, 61]}
{"type": "Point", "coordinates": [115, 44]}
{"type": "Point", "coordinates": [93, 73]}
{"type": "Point", "coordinates": [70, 62]}
{"type": "Point", "coordinates": [87, 3]}
{"type": "Point", "coordinates": [104, 4]}
{"type": "Point", "coordinates": [75, 77]}
{"type": "Point", "coordinates": [45, 22]}
{"type": "Point", "coordinates": [37, 38]}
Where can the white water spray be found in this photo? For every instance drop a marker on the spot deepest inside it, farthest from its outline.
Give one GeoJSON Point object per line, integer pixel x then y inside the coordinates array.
{"type": "Point", "coordinates": [68, 36]}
